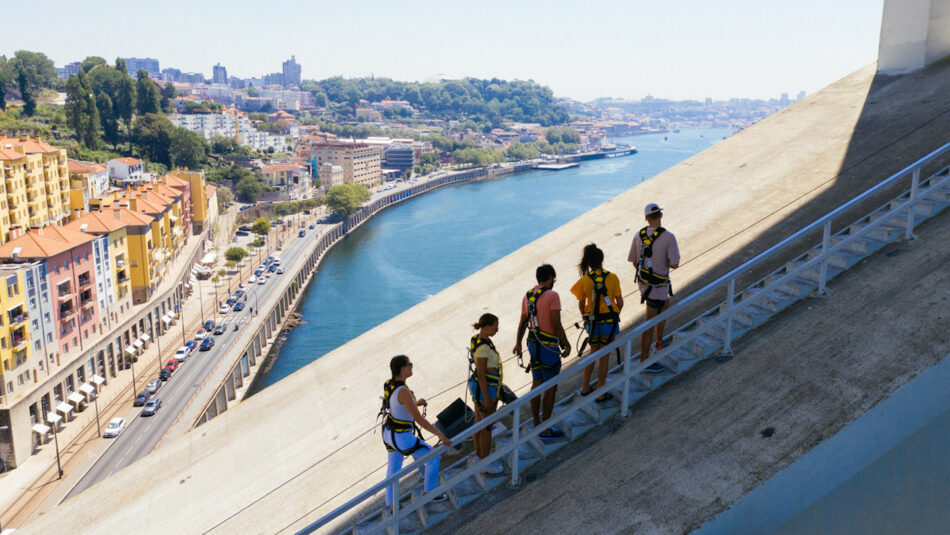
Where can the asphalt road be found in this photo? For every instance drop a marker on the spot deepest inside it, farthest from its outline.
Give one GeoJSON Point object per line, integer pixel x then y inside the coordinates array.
{"type": "Point", "coordinates": [143, 433]}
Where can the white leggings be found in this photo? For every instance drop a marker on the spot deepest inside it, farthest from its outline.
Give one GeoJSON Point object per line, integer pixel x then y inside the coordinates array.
{"type": "Point", "coordinates": [407, 441]}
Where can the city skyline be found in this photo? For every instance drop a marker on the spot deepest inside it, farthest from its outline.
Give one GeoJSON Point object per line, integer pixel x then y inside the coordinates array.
{"type": "Point", "coordinates": [736, 48]}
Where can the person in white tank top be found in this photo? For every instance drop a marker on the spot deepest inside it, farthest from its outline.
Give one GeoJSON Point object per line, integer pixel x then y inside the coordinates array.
{"type": "Point", "coordinates": [400, 429]}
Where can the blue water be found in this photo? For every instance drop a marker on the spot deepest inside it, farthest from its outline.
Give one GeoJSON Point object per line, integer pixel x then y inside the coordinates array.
{"type": "Point", "coordinates": [420, 247]}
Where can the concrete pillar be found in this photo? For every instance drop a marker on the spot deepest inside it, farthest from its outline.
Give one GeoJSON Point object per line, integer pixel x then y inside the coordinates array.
{"type": "Point", "coordinates": [229, 386]}
{"type": "Point", "coordinates": [914, 34]}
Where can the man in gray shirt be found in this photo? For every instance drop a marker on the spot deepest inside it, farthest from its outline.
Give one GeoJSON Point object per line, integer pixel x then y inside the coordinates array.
{"type": "Point", "coordinates": [654, 253]}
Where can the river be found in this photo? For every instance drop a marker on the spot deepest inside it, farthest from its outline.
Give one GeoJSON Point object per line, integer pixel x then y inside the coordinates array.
{"type": "Point", "coordinates": [417, 248]}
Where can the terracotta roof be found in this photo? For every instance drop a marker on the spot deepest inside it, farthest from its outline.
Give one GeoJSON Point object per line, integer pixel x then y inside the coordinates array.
{"type": "Point", "coordinates": [128, 161]}
{"type": "Point", "coordinates": [209, 190]}
{"type": "Point", "coordinates": [277, 168]}
{"type": "Point", "coordinates": [10, 154]}
{"type": "Point", "coordinates": [30, 145]}
{"type": "Point", "coordinates": [174, 181]}
{"type": "Point", "coordinates": [99, 222]}
{"type": "Point", "coordinates": [44, 243]}
{"type": "Point", "coordinates": [84, 168]}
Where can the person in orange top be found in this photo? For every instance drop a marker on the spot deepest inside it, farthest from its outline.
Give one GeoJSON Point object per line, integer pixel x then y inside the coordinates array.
{"type": "Point", "coordinates": [599, 299]}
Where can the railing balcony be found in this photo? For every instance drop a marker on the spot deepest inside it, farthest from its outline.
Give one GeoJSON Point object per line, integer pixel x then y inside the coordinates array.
{"type": "Point", "coordinates": [17, 319]}
{"type": "Point", "coordinates": [19, 342]}
{"type": "Point", "coordinates": [63, 296]}
{"type": "Point", "coordinates": [84, 280]}
{"type": "Point", "coordinates": [120, 263]}
{"type": "Point", "coordinates": [66, 312]}
{"type": "Point", "coordinates": [121, 277]}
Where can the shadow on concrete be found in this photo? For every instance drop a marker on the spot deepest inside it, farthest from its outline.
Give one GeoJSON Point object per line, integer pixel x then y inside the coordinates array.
{"type": "Point", "coordinates": [903, 119]}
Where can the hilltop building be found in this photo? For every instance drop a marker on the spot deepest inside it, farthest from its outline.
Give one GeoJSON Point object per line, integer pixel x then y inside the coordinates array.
{"type": "Point", "coordinates": [359, 162]}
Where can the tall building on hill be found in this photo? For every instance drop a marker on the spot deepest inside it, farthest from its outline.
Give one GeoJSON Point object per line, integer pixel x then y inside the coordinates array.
{"type": "Point", "coordinates": [360, 162]}
{"type": "Point", "coordinates": [149, 64]}
{"type": "Point", "coordinates": [291, 71]}
{"type": "Point", "coordinates": [35, 192]}
{"type": "Point", "coordinates": [220, 75]}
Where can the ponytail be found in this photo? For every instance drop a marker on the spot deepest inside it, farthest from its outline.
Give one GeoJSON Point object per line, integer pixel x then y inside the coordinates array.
{"type": "Point", "coordinates": [485, 320]}
{"type": "Point", "coordinates": [593, 258]}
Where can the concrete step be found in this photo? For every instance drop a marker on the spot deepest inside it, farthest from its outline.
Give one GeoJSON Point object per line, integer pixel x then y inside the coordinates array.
{"type": "Point", "coordinates": [796, 286]}
{"type": "Point", "coordinates": [432, 513]}
{"type": "Point", "coordinates": [703, 346]}
{"type": "Point", "coordinates": [886, 232]}
{"type": "Point", "coordinates": [940, 196]}
{"type": "Point", "coordinates": [752, 314]}
{"type": "Point", "coordinates": [897, 219]}
{"type": "Point", "coordinates": [773, 301]}
{"type": "Point", "coordinates": [468, 490]}
{"type": "Point", "coordinates": [528, 454]}
{"type": "Point", "coordinates": [578, 423]}
{"type": "Point", "coordinates": [922, 207]}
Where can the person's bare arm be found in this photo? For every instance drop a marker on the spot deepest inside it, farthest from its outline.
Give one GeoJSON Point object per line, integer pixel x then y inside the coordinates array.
{"type": "Point", "coordinates": [405, 397]}
{"type": "Point", "coordinates": [618, 300]}
{"type": "Point", "coordinates": [522, 325]}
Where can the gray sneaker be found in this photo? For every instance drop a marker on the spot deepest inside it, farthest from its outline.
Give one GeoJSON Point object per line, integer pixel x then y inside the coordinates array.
{"type": "Point", "coordinates": [494, 468]}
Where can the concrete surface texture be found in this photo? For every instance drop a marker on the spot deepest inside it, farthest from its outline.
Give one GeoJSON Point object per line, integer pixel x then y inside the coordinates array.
{"type": "Point", "coordinates": [914, 34]}
{"type": "Point", "coordinates": [303, 446]}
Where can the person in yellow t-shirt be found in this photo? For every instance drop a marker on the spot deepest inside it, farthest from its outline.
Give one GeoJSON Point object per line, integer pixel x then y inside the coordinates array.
{"type": "Point", "coordinates": [485, 384]}
{"type": "Point", "coordinates": [599, 300]}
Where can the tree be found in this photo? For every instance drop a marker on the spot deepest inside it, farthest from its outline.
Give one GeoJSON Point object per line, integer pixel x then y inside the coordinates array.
{"type": "Point", "coordinates": [249, 189]}
{"type": "Point", "coordinates": [236, 254]}
{"type": "Point", "coordinates": [346, 198]}
{"type": "Point", "coordinates": [253, 93]}
{"type": "Point", "coordinates": [225, 197]}
{"type": "Point", "coordinates": [37, 69]}
{"type": "Point", "coordinates": [91, 63]}
{"type": "Point", "coordinates": [261, 226]}
{"type": "Point", "coordinates": [26, 93]}
{"type": "Point", "coordinates": [153, 135]}
{"type": "Point", "coordinates": [168, 95]}
{"type": "Point", "coordinates": [74, 105]}
{"type": "Point", "coordinates": [120, 66]}
{"type": "Point", "coordinates": [82, 113]}
{"type": "Point", "coordinates": [6, 79]}
{"type": "Point", "coordinates": [124, 101]}
{"type": "Point", "coordinates": [146, 94]}
{"type": "Point", "coordinates": [107, 118]}
{"type": "Point", "coordinates": [429, 158]}
{"type": "Point", "coordinates": [187, 149]}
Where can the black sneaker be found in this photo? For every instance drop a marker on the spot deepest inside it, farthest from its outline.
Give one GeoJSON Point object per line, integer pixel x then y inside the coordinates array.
{"type": "Point", "coordinates": [440, 498]}
{"type": "Point", "coordinates": [656, 367]}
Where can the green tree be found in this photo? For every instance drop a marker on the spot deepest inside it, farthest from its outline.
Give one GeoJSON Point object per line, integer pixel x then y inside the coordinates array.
{"type": "Point", "coordinates": [147, 100]}
{"type": "Point", "coordinates": [253, 93]}
{"type": "Point", "coordinates": [261, 226]}
{"type": "Point", "coordinates": [91, 63]}
{"type": "Point", "coordinates": [82, 113]}
{"type": "Point", "coordinates": [37, 69]}
{"type": "Point", "coordinates": [168, 95]}
{"type": "Point", "coordinates": [236, 254]}
{"type": "Point", "coordinates": [6, 79]}
{"type": "Point", "coordinates": [74, 105]}
{"type": "Point", "coordinates": [249, 189]}
{"type": "Point", "coordinates": [153, 133]}
{"type": "Point", "coordinates": [107, 118]}
{"type": "Point", "coordinates": [429, 158]}
{"type": "Point", "coordinates": [346, 198]}
{"type": "Point", "coordinates": [26, 93]}
{"type": "Point", "coordinates": [187, 149]}
{"type": "Point", "coordinates": [120, 66]}
{"type": "Point", "coordinates": [225, 197]}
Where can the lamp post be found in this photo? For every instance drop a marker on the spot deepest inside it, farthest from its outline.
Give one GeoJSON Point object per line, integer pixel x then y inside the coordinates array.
{"type": "Point", "coordinates": [201, 303]}
{"type": "Point", "coordinates": [95, 400]}
{"type": "Point", "coordinates": [59, 466]}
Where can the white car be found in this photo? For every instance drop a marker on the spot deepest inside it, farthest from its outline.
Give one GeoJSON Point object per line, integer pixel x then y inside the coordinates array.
{"type": "Point", "coordinates": [277, 259]}
{"type": "Point", "coordinates": [182, 353]}
{"type": "Point", "coordinates": [201, 334]}
{"type": "Point", "coordinates": [252, 280]}
{"type": "Point", "coordinates": [261, 280]}
{"type": "Point", "coordinates": [280, 271]}
{"type": "Point", "coordinates": [114, 428]}
{"type": "Point", "coordinates": [224, 309]}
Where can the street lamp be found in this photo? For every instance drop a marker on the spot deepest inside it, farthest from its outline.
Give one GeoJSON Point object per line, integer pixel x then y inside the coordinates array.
{"type": "Point", "coordinates": [54, 419]}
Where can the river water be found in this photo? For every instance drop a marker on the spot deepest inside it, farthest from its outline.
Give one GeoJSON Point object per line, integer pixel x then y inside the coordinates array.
{"type": "Point", "coordinates": [419, 247]}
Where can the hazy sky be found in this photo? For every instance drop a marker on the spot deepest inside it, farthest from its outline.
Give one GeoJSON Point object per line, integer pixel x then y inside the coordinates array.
{"type": "Point", "coordinates": [667, 48]}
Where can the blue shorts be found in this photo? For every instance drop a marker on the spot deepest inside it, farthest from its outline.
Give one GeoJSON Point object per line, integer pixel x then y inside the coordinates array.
{"type": "Point", "coordinates": [602, 334]}
{"type": "Point", "coordinates": [545, 361]}
{"type": "Point", "coordinates": [477, 392]}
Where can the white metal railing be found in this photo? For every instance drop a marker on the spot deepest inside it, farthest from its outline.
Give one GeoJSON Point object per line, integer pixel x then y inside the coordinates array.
{"type": "Point", "coordinates": [628, 341]}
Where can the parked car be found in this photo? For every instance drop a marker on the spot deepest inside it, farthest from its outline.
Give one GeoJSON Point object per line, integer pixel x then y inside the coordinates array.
{"type": "Point", "coordinates": [277, 260]}
{"type": "Point", "coordinates": [272, 268]}
{"type": "Point", "coordinates": [311, 227]}
{"type": "Point", "coordinates": [208, 325]}
{"type": "Point", "coordinates": [191, 345]}
{"type": "Point", "coordinates": [206, 345]}
{"type": "Point", "coordinates": [153, 386]}
{"type": "Point", "coordinates": [261, 280]}
{"type": "Point", "coordinates": [303, 224]}
{"type": "Point", "coordinates": [239, 306]}
{"type": "Point", "coordinates": [306, 212]}
{"type": "Point", "coordinates": [280, 271]}
{"type": "Point", "coordinates": [252, 280]}
{"type": "Point", "coordinates": [201, 334]}
{"type": "Point", "coordinates": [242, 233]}
{"type": "Point", "coordinates": [165, 374]}
{"type": "Point", "coordinates": [114, 428]}
{"type": "Point", "coordinates": [302, 233]}
{"type": "Point", "coordinates": [140, 399]}
{"type": "Point", "coordinates": [219, 328]}
{"type": "Point", "coordinates": [259, 271]}
{"type": "Point", "coordinates": [238, 294]}
{"type": "Point", "coordinates": [245, 228]}
{"type": "Point", "coordinates": [230, 301]}
{"type": "Point", "coordinates": [268, 260]}
{"type": "Point", "coordinates": [224, 309]}
{"type": "Point", "coordinates": [171, 365]}
{"type": "Point", "coordinates": [182, 353]}
{"type": "Point", "coordinates": [152, 407]}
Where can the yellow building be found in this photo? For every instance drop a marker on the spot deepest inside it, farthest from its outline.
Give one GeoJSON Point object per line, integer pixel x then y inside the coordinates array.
{"type": "Point", "coordinates": [43, 196]}
{"type": "Point", "coordinates": [12, 190]}
{"type": "Point", "coordinates": [199, 198]}
{"type": "Point", "coordinates": [14, 326]}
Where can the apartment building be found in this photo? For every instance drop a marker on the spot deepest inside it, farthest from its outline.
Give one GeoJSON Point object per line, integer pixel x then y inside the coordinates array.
{"type": "Point", "coordinates": [35, 189]}
{"type": "Point", "coordinates": [126, 171]}
{"type": "Point", "coordinates": [360, 162]}
{"type": "Point", "coordinates": [87, 180]}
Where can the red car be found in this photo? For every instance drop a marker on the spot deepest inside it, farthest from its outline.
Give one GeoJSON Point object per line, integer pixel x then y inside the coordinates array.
{"type": "Point", "coordinates": [172, 365]}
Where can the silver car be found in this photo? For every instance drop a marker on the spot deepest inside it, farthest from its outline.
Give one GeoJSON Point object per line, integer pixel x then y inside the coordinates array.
{"type": "Point", "coordinates": [114, 428]}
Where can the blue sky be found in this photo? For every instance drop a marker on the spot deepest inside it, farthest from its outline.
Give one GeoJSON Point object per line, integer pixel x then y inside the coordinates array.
{"type": "Point", "coordinates": [667, 48]}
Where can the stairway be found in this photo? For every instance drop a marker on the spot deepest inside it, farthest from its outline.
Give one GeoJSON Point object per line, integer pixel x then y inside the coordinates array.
{"type": "Point", "coordinates": [703, 337]}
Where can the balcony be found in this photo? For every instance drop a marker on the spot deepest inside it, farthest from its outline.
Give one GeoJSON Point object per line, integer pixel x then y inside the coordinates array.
{"type": "Point", "coordinates": [67, 312]}
{"type": "Point", "coordinates": [17, 318]}
{"type": "Point", "coordinates": [121, 277]}
{"type": "Point", "coordinates": [65, 296]}
{"type": "Point", "coordinates": [84, 279]}
{"type": "Point", "coordinates": [19, 342]}
{"type": "Point", "coordinates": [119, 263]}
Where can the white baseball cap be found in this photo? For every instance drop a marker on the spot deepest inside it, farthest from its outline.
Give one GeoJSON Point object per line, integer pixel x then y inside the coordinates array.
{"type": "Point", "coordinates": [652, 208]}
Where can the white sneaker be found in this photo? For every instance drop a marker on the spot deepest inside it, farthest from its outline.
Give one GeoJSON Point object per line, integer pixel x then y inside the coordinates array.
{"type": "Point", "coordinates": [494, 468]}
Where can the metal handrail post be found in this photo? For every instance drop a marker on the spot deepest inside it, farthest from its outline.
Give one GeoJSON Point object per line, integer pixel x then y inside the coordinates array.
{"type": "Point", "coordinates": [625, 396]}
{"type": "Point", "coordinates": [914, 186]}
{"type": "Point", "coordinates": [394, 529]}
{"type": "Point", "coordinates": [730, 298]}
{"type": "Point", "coordinates": [515, 431]}
{"type": "Point", "coordinates": [825, 245]}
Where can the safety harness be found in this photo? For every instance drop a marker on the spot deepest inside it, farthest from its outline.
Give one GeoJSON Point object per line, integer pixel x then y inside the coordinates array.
{"type": "Point", "coordinates": [493, 378]}
{"type": "Point", "coordinates": [645, 273]}
{"type": "Point", "coordinates": [395, 425]}
{"type": "Point", "coordinates": [535, 334]}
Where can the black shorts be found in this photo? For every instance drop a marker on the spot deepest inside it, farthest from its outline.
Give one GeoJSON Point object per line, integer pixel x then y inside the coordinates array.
{"type": "Point", "coordinates": [655, 303]}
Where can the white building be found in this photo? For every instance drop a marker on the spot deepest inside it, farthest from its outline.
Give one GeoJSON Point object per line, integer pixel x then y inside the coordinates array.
{"type": "Point", "coordinates": [211, 125]}
{"type": "Point", "coordinates": [126, 171]}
